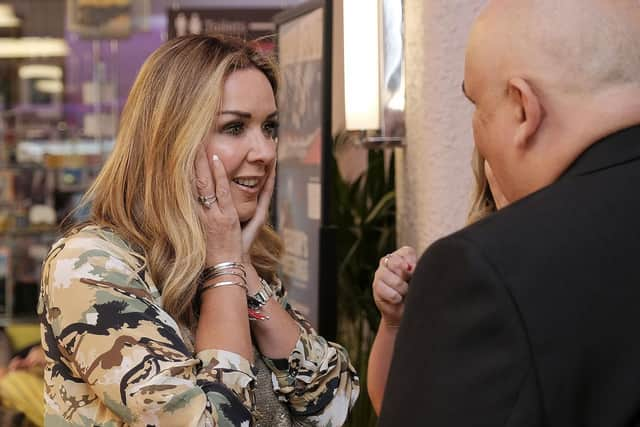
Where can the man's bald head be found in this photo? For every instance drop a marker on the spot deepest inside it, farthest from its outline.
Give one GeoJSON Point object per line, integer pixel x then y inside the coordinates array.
{"type": "Point", "coordinates": [549, 78]}
{"type": "Point", "coordinates": [570, 45]}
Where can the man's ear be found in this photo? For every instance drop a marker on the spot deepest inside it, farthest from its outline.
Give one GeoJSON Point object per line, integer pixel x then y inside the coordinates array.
{"type": "Point", "coordinates": [527, 107]}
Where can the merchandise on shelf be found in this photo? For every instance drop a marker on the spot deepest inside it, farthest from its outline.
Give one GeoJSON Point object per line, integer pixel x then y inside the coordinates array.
{"type": "Point", "coordinates": [37, 191]}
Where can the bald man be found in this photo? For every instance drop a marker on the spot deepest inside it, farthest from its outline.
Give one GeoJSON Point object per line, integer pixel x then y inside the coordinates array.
{"type": "Point", "coordinates": [531, 316]}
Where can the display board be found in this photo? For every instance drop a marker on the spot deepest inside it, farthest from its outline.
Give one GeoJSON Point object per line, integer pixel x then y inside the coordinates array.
{"type": "Point", "coordinates": [303, 136]}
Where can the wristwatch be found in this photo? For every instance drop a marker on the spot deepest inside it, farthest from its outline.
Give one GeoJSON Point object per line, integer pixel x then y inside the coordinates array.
{"type": "Point", "coordinates": [260, 298]}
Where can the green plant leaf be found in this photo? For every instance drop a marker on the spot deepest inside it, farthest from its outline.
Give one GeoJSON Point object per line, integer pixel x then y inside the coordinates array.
{"type": "Point", "coordinates": [364, 213]}
{"type": "Point", "coordinates": [387, 201]}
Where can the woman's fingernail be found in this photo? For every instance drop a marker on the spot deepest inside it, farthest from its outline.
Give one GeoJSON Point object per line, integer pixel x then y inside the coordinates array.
{"type": "Point", "coordinates": [216, 158]}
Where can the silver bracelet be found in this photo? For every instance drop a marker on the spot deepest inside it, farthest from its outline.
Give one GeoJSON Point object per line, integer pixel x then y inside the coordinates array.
{"type": "Point", "coordinates": [242, 275]}
{"type": "Point", "coordinates": [223, 284]}
{"type": "Point", "coordinates": [260, 298]}
{"type": "Point", "coordinates": [228, 264]}
{"type": "Point", "coordinates": [220, 269]}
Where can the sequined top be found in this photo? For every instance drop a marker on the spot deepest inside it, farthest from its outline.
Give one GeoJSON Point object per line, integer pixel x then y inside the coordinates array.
{"type": "Point", "coordinates": [114, 357]}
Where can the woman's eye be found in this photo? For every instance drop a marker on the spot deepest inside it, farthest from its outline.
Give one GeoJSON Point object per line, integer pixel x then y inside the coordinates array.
{"type": "Point", "coordinates": [271, 129]}
{"type": "Point", "coordinates": [233, 129]}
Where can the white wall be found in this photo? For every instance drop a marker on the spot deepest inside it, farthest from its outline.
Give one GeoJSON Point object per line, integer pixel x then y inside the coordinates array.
{"type": "Point", "coordinates": [433, 173]}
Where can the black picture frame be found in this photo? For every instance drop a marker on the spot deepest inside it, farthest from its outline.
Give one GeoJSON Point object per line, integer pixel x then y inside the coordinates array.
{"type": "Point", "coordinates": [321, 264]}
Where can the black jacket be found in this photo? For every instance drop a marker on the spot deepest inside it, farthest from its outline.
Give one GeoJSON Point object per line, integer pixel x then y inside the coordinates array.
{"type": "Point", "coordinates": [531, 317]}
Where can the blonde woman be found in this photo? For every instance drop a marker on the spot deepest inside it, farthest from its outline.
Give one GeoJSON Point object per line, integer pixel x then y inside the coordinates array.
{"type": "Point", "coordinates": [391, 281]}
{"type": "Point", "coordinates": [146, 308]}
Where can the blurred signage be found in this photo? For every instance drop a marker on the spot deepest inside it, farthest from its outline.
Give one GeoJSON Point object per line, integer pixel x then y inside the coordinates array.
{"type": "Point", "coordinates": [100, 19]}
{"type": "Point", "coordinates": [299, 180]}
{"type": "Point", "coordinates": [249, 24]}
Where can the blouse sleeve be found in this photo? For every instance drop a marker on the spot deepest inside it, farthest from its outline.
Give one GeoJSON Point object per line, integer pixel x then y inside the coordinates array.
{"type": "Point", "coordinates": [102, 325]}
{"type": "Point", "coordinates": [317, 381]}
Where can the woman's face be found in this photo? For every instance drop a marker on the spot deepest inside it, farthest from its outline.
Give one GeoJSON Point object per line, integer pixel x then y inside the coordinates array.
{"type": "Point", "coordinates": [244, 137]}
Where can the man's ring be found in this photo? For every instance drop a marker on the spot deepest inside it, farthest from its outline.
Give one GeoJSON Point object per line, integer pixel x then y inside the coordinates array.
{"type": "Point", "coordinates": [207, 201]}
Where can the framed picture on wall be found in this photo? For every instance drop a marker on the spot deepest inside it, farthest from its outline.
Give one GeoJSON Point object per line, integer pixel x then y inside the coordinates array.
{"type": "Point", "coordinates": [304, 136]}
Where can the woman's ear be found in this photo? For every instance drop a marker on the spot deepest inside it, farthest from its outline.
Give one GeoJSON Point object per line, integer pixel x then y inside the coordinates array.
{"type": "Point", "coordinates": [528, 110]}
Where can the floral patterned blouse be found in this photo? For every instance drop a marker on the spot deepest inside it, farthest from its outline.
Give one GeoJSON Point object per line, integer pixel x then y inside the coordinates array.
{"type": "Point", "coordinates": [114, 357]}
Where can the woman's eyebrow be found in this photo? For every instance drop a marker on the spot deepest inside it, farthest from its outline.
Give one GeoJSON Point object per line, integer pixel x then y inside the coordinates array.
{"type": "Point", "coordinates": [242, 114]}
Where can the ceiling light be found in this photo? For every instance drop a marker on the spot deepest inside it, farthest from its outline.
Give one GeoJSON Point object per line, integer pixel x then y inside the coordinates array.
{"type": "Point", "coordinates": [40, 71]}
{"type": "Point", "coordinates": [8, 19]}
{"type": "Point", "coordinates": [32, 47]}
{"type": "Point", "coordinates": [361, 66]}
{"type": "Point", "coordinates": [50, 86]}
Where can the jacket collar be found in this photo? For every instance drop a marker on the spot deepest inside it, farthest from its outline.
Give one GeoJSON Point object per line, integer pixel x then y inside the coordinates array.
{"type": "Point", "coordinates": [617, 148]}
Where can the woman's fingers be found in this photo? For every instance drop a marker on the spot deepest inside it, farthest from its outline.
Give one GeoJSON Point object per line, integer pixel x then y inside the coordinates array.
{"type": "Point", "coordinates": [204, 185]}
{"type": "Point", "coordinates": [408, 254]}
{"type": "Point", "coordinates": [218, 214]}
{"type": "Point", "coordinates": [267, 191]}
{"type": "Point", "coordinates": [221, 182]}
{"type": "Point", "coordinates": [251, 229]}
{"type": "Point", "coordinates": [401, 262]}
{"type": "Point", "coordinates": [386, 293]}
{"type": "Point", "coordinates": [393, 281]}
{"type": "Point", "coordinates": [16, 363]}
{"type": "Point", "coordinates": [390, 283]}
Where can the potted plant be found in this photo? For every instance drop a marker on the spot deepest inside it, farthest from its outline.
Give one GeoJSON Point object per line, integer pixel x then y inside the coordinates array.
{"type": "Point", "coordinates": [364, 212]}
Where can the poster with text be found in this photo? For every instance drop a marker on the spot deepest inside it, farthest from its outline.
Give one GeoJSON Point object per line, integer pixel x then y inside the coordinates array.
{"type": "Point", "coordinates": [298, 197]}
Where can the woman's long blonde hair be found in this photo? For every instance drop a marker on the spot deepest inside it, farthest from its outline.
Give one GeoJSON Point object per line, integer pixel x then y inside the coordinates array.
{"type": "Point", "coordinates": [144, 191]}
{"type": "Point", "coordinates": [482, 203]}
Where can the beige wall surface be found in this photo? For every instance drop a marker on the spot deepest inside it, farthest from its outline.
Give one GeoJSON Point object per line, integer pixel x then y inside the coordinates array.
{"type": "Point", "coordinates": [434, 178]}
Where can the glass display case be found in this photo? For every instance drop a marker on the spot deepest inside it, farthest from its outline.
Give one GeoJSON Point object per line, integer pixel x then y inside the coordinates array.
{"type": "Point", "coordinates": [38, 189]}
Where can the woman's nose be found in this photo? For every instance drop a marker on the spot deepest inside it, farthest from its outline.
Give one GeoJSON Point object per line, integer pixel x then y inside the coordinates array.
{"type": "Point", "coordinates": [263, 147]}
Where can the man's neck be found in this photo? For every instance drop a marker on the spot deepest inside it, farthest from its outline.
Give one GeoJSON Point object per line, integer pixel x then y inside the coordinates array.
{"type": "Point", "coordinates": [604, 113]}
{"type": "Point", "coordinates": [574, 125]}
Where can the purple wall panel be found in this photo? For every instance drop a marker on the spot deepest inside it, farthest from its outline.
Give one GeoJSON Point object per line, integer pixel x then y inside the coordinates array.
{"type": "Point", "coordinates": [122, 60]}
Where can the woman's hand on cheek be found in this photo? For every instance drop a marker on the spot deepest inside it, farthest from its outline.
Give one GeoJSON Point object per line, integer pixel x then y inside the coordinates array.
{"type": "Point", "coordinates": [253, 226]}
{"type": "Point", "coordinates": [219, 217]}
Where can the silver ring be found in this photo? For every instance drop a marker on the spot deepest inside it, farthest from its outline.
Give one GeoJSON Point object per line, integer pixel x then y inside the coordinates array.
{"type": "Point", "coordinates": [386, 260]}
{"type": "Point", "coordinates": [207, 201]}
